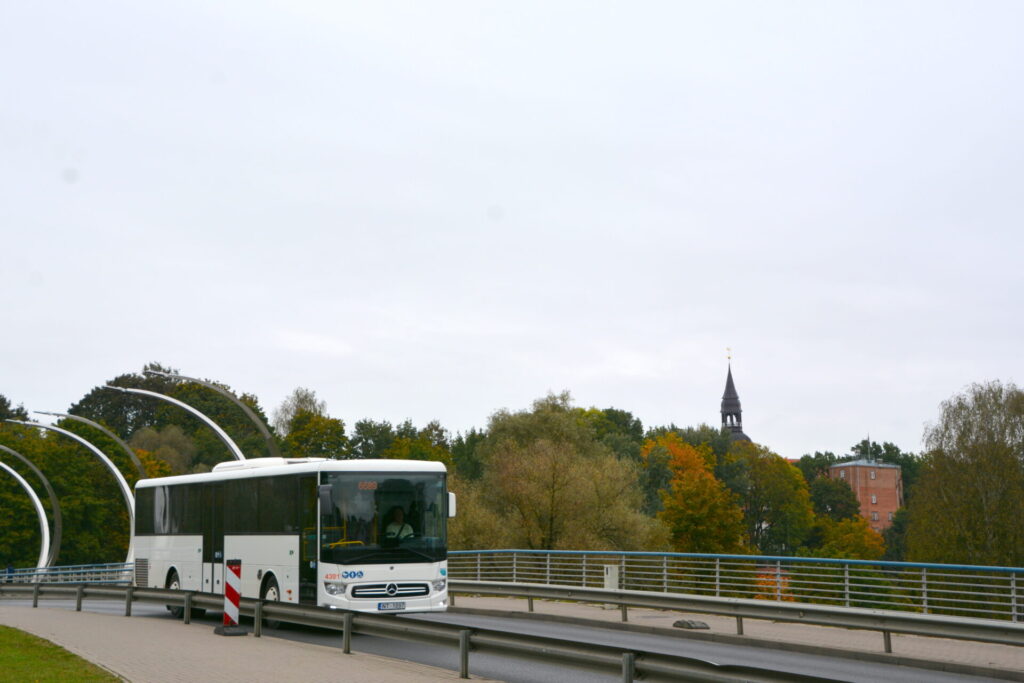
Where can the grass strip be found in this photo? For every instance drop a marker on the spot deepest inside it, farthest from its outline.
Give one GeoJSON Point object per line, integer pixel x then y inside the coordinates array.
{"type": "Point", "coordinates": [25, 657]}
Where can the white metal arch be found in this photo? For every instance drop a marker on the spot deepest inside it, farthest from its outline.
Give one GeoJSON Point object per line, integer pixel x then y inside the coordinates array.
{"type": "Point", "coordinates": [44, 529]}
{"type": "Point", "coordinates": [126, 491]}
{"type": "Point", "coordinates": [232, 446]}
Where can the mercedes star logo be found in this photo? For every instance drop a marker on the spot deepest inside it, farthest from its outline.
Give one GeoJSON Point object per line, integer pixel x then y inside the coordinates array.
{"type": "Point", "coordinates": [392, 589]}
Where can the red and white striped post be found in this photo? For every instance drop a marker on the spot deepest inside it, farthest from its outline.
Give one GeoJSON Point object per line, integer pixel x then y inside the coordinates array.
{"type": "Point", "coordinates": [232, 597]}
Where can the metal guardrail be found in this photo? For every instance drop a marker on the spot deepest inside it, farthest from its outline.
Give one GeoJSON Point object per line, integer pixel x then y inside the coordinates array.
{"type": "Point", "coordinates": [954, 590]}
{"type": "Point", "coordinates": [885, 621]}
{"type": "Point", "coordinates": [120, 573]}
{"type": "Point", "coordinates": [632, 664]}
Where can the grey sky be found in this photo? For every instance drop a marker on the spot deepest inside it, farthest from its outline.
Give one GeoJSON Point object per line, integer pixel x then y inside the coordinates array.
{"type": "Point", "coordinates": [435, 210]}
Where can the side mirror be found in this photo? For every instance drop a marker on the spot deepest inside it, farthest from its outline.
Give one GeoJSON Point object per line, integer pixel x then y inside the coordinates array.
{"type": "Point", "coordinates": [451, 504]}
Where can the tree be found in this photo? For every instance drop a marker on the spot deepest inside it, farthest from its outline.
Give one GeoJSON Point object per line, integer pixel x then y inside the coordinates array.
{"type": "Point", "coordinates": [170, 444]}
{"type": "Point", "coordinates": [969, 501]}
{"type": "Point", "coordinates": [371, 439]}
{"type": "Point", "coordinates": [834, 499]}
{"type": "Point", "coordinates": [429, 443]}
{"type": "Point", "coordinates": [553, 497]}
{"type": "Point", "coordinates": [814, 466]}
{"type": "Point", "coordinates": [301, 400]}
{"type": "Point", "coordinates": [895, 537]}
{"type": "Point", "coordinates": [313, 435]}
{"type": "Point", "coordinates": [851, 538]}
{"type": "Point", "coordinates": [774, 497]}
{"type": "Point", "coordinates": [701, 513]}
{"type": "Point", "coordinates": [9, 412]}
{"type": "Point", "coordinates": [467, 461]}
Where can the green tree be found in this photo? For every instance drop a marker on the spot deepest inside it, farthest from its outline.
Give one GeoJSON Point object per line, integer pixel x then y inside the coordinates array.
{"type": "Point", "coordinates": [851, 538]}
{"type": "Point", "coordinates": [834, 499]}
{"type": "Point", "coordinates": [10, 412]}
{"type": "Point", "coordinates": [969, 501]}
{"type": "Point", "coordinates": [774, 496]}
{"type": "Point", "coordinates": [371, 439]}
{"type": "Point", "coordinates": [312, 435]}
{"type": "Point", "coordinates": [895, 537]}
{"type": "Point", "coordinates": [814, 466]}
{"type": "Point", "coordinates": [467, 462]}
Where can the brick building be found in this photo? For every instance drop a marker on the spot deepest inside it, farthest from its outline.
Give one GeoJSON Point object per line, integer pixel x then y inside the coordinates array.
{"type": "Point", "coordinates": [878, 487]}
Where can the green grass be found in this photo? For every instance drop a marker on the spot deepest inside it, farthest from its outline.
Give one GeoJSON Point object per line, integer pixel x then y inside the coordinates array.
{"type": "Point", "coordinates": [26, 658]}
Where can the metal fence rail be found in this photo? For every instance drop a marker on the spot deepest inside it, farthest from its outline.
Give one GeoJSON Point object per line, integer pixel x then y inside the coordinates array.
{"type": "Point", "coordinates": [632, 664]}
{"type": "Point", "coordinates": [120, 573]}
{"type": "Point", "coordinates": [884, 621]}
{"type": "Point", "coordinates": [954, 590]}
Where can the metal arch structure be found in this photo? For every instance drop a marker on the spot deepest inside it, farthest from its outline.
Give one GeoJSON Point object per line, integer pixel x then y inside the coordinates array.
{"type": "Point", "coordinates": [232, 446]}
{"type": "Point", "coordinates": [126, 491]}
{"type": "Point", "coordinates": [44, 529]}
{"type": "Point", "coordinates": [58, 522]}
{"type": "Point", "coordinates": [272, 448]}
{"type": "Point", "coordinates": [125, 447]}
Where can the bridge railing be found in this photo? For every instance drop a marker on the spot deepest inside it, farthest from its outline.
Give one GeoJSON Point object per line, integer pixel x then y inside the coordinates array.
{"type": "Point", "coordinates": [954, 590]}
{"type": "Point", "coordinates": [120, 574]}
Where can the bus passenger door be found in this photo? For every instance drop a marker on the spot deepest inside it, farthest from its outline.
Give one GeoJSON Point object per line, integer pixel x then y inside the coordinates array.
{"type": "Point", "coordinates": [308, 539]}
{"type": "Point", "coordinates": [213, 538]}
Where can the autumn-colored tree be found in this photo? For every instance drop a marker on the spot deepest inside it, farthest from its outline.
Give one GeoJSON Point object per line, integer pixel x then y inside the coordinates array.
{"type": "Point", "coordinates": [700, 512]}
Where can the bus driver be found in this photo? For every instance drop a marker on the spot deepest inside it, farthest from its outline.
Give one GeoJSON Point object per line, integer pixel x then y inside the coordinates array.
{"type": "Point", "coordinates": [398, 528]}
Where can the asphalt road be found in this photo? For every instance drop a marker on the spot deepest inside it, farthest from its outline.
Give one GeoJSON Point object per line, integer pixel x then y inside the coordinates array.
{"type": "Point", "coordinates": [522, 671]}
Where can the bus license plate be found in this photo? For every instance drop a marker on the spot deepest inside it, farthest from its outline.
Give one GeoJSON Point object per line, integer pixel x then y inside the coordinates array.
{"type": "Point", "coordinates": [385, 606]}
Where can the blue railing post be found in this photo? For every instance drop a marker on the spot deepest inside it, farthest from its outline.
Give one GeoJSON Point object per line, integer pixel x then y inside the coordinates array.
{"type": "Point", "coordinates": [924, 589]}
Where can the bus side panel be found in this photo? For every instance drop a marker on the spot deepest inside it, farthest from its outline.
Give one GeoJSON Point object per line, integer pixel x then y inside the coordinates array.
{"type": "Point", "coordinates": [277, 553]}
{"type": "Point", "coordinates": [183, 553]}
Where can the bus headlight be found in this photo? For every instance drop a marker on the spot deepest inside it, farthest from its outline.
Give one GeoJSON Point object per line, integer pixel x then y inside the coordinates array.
{"type": "Point", "coordinates": [334, 587]}
{"type": "Point", "coordinates": [439, 585]}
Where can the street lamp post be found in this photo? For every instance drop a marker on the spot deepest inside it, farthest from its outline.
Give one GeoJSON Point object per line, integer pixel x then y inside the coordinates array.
{"type": "Point", "coordinates": [232, 446]}
{"type": "Point", "coordinates": [125, 447]}
{"type": "Point", "coordinates": [54, 504]}
{"type": "Point", "coordinates": [253, 417]}
{"type": "Point", "coordinates": [44, 530]}
{"type": "Point", "coordinates": [126, 492]}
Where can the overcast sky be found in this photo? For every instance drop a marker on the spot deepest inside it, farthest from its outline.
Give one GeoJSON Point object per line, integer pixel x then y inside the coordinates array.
{"type": "Point", "coordinates": [435, 210]}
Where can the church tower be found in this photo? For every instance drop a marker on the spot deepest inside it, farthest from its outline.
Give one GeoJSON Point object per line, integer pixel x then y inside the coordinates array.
{"type": "Point", "coordinates": [732, 414]}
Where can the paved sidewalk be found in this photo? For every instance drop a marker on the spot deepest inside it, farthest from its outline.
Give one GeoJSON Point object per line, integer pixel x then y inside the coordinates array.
{"type": "Point", "coordinates": [954, 652]}
{"type": "Point", "coordinates": [166, 651]}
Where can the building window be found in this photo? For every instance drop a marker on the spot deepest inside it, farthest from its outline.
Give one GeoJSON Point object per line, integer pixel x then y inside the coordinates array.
{"type": "Point", "coordinates": [874, 498]}
{"type": "Point", "coordinates": [890, 516]}
{"type": "Point", "coordinates": [842, 474]}
{"type": "Point", "coordinates": [874, 516]}
{"type": "Point", "coordinates": [872, 474]}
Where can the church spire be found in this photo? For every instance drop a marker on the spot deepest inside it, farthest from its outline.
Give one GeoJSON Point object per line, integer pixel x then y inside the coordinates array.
{"type": "Point", "coordinates": [732, 414]}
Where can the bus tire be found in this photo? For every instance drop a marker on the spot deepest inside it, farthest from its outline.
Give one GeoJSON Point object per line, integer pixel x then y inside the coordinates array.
{"type": "Point", "coordinates": [174, 584]}
{"type": "Point", "coordinates": [271, 592]}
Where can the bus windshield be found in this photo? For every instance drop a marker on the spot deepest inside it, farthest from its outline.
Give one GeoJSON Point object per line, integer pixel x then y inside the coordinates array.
{"type": "Point", "coordinates": [368, 518]}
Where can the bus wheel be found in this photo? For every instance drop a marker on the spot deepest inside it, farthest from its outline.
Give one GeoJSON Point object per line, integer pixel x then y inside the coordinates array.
{"type": "Point", "coordinates": [271, 593]}
{"type": "Point", "coordinates": [174, 584]}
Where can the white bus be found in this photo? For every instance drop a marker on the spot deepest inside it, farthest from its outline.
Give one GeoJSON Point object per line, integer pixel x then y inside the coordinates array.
{"type": "Point", "coordinates": [365, 535]}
